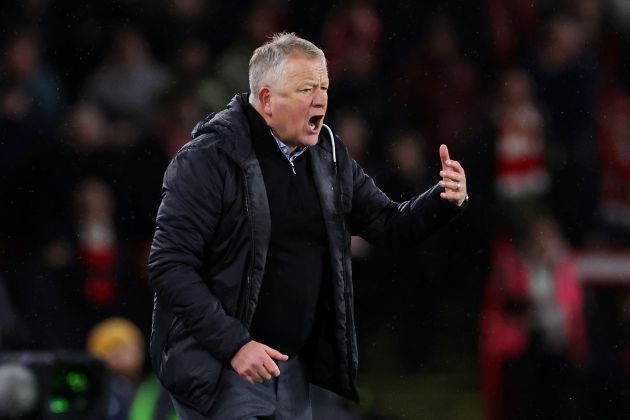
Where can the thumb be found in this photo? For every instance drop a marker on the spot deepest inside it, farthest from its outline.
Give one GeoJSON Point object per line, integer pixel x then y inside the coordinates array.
{"type": "Point", "coordinates": [444, 155]}
{"type": "Point", "coordinates": [275, 354]}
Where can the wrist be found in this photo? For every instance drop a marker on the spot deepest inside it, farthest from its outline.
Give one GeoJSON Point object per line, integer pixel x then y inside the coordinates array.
{"type": "Point", "coordinates": [240, 345]}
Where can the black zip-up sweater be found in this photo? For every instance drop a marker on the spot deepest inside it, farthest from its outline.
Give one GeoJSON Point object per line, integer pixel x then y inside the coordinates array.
{"type": "Point", "coordinates": [297, 257]}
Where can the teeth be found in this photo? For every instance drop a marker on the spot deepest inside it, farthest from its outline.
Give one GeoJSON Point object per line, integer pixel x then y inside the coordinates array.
{"type": "Point", "coordinates": [311, 125]}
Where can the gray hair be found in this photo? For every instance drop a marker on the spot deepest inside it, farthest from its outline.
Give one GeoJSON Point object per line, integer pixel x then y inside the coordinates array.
{"type": "Point", "coordinates": [266, 67]}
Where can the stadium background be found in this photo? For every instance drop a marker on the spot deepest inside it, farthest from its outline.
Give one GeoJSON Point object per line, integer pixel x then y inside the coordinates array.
{"type": "Point", "coordinates": [523, 296]}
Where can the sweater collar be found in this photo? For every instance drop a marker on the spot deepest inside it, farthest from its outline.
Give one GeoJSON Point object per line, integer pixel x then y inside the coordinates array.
{"type": "Point", "coordinates": [265, 141]}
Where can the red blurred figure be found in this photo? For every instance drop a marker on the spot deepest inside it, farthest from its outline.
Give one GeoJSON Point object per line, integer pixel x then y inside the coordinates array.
{"type": "Point", "coordinates": [614, 149]}
{"type": "Point", "coordinates": [533, 307]}
{"type": "Point", "coordinates": [352, 40]}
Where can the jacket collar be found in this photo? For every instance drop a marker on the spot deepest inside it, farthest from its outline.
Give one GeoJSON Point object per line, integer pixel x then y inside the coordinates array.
{"type": "Point", "coordinates": [235, 128]}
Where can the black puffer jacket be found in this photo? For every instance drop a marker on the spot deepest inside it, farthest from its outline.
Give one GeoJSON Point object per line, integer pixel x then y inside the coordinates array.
{"type": "Point", "coordinates": [209, 251]}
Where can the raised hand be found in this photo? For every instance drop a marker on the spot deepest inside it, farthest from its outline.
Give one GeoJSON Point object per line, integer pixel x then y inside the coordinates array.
{"type": "Point", "coordinates": [453, 178]}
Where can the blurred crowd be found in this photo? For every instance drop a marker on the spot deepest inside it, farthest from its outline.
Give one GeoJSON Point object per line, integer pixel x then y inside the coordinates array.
{"type": "Point", "coordinates": [531, 96]}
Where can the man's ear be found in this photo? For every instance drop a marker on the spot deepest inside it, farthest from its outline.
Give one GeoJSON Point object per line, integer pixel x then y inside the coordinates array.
{"type": "Point", "coordinates": [264, 96]}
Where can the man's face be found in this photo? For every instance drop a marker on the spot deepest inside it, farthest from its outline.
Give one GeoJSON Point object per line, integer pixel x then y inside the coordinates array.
{"type": "Point", "coordinates": [297, 105]}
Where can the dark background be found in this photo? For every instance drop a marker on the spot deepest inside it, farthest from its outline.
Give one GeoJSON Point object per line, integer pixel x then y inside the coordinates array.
{"type": "Point", "coordinates": [532, 97]}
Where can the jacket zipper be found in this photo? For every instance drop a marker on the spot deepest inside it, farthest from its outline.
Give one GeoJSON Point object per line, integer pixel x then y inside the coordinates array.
{"type": "Point", "coordinates": [245, 311]}
{"type": "Point", "coordinates": [346, 294]}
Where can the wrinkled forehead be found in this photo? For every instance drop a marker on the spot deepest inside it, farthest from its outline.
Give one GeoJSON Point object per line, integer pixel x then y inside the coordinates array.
{"type": "Point", "coordinates": [297, 66]}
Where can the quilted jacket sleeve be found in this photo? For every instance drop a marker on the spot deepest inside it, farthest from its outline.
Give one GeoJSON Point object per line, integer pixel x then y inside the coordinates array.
{"type": "Point", "coordinates": [387, 223]}
{"type": "Point", "coordinates": [186, 221]}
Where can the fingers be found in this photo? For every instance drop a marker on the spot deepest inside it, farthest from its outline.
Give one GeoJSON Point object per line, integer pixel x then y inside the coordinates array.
{"type": "Point", "coordinates": [444, 157]}
{"type": "Point", "coordinates": [456, 196]}
{"type": "Point", "coordinates": [254, 363]}
{"type": "Point", "coordinates": [453, 178]}
{"type": "Point", "coordinates": [259, 372]}
{"type": "Point", "coordinates": [263, 371]}
{"type": "Point", "coordinates": [452, 166]}
{"type": "Point", "coordinates": [451, 185]}
{"type": "Point", "coordinates": [272, 368]}
{"type": "Point", "coordinates": [455, 166]}
{"type": "Point", "coordinates": [453, 172]}
{"type": "Point", "coordinates": [252, 378]}
{"type": "Point", "coordinates": [275, 354]}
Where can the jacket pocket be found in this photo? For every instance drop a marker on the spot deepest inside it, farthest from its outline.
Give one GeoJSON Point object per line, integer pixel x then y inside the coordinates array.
{"type": "Point", "coordinates": [188, 371]}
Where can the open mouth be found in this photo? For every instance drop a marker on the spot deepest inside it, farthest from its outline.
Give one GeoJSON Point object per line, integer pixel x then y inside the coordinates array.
{"type": "Point", "coordinates": [315, 122]}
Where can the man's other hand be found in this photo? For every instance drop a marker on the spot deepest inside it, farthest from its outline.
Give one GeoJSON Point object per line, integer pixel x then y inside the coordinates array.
{"type": "Point", "coordinates": [254, 362]}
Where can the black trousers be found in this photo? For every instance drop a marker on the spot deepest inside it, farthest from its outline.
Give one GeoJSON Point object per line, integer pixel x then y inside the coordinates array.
{"type": "Point", "coordinates": [283, 398]}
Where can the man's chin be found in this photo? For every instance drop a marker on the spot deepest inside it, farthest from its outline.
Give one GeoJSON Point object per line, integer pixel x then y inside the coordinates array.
{"type": "Point", "coordinates": [309, 140]}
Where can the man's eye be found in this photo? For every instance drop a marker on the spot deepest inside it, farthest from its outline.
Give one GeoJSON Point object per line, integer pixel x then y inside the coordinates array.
{"type": "Point", "coordinates": [307, 89]}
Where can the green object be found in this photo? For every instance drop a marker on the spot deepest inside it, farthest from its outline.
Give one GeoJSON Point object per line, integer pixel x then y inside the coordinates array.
{"type": "Point", "coordinates": [59, 405]}
{"type": "Point", "coordinates": [143, 407]}
{"type": "Point", "coordinates": [76, 381]}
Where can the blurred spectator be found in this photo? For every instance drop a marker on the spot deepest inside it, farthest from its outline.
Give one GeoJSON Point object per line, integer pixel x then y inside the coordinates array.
{"type": "Point", "coordinates": [128, 83]}
{"type": "Point", "coordinates": [352, 38]}
{"type": "Point", "coordinates": [108, 286]}
{"type": "Point", "coordinates": [533, 335]}
{"type": "Point", "coordinates": [565, 72]}
{"type": "Point", "coordinates": [128, 160]}
{"type": "Point", "coordinates": [80, 257]}
{"type": "Point", "coordinates": [132, 162]}
{"type": "Point", "coordinates": [513, 26]}
{"type": "Point", "coordinates": [77, 34]}
{"type": "Point", "coordinates": [590, 14]}
{"type": "Point", "coordinates": [437, 88]}
{"type": "Point", "coordinates": [179, 112]}
{"type": "Point", "coordinates": [261, 21]}
{"type": "Point", "coordinates": [152, 402]}
{"type": "Point", "coordinates": [408, 167]}
{"type": "Point", "coordinates": [97, 242]}
{"type": "Point", "coordinates": [22, 128]}
{"type": "Point", "coordinates": [41, 200]}
{"type": "Point", "coordinates": [354, 130]}
{"type": "Point", "coordinates": [564, 51]}
{"type": "Point", "coordinates": [522, 180]}
{"type": "Point", "coordinates": [61, 273]}
{"type": "Point", "coordinates": [80, 274]}
{"type": "Point", "coordinates": [408, 297]}
{"type": "Point", "coordinates": [507, 159]}
{"type": "Point", "coordinates": [214, 22]}
{"type": "Point", "coordinates": [22, 64]}
{"type": "Point", "coordinates": [352, 41]}
{"type": "Point", "coordinates": [613, 216]}
{"type": "Point", "coordinates": [120, 345]}
{"type": "Point", "coordinates": [184, 22]}
{"type": "Point", "coordinates": [195, 76]}
{"type": "Point", "coordinates": [192, 62]}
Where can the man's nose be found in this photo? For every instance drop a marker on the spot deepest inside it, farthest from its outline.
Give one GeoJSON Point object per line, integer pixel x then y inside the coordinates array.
{"type": "Point", "coordinates": [320, 98]}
